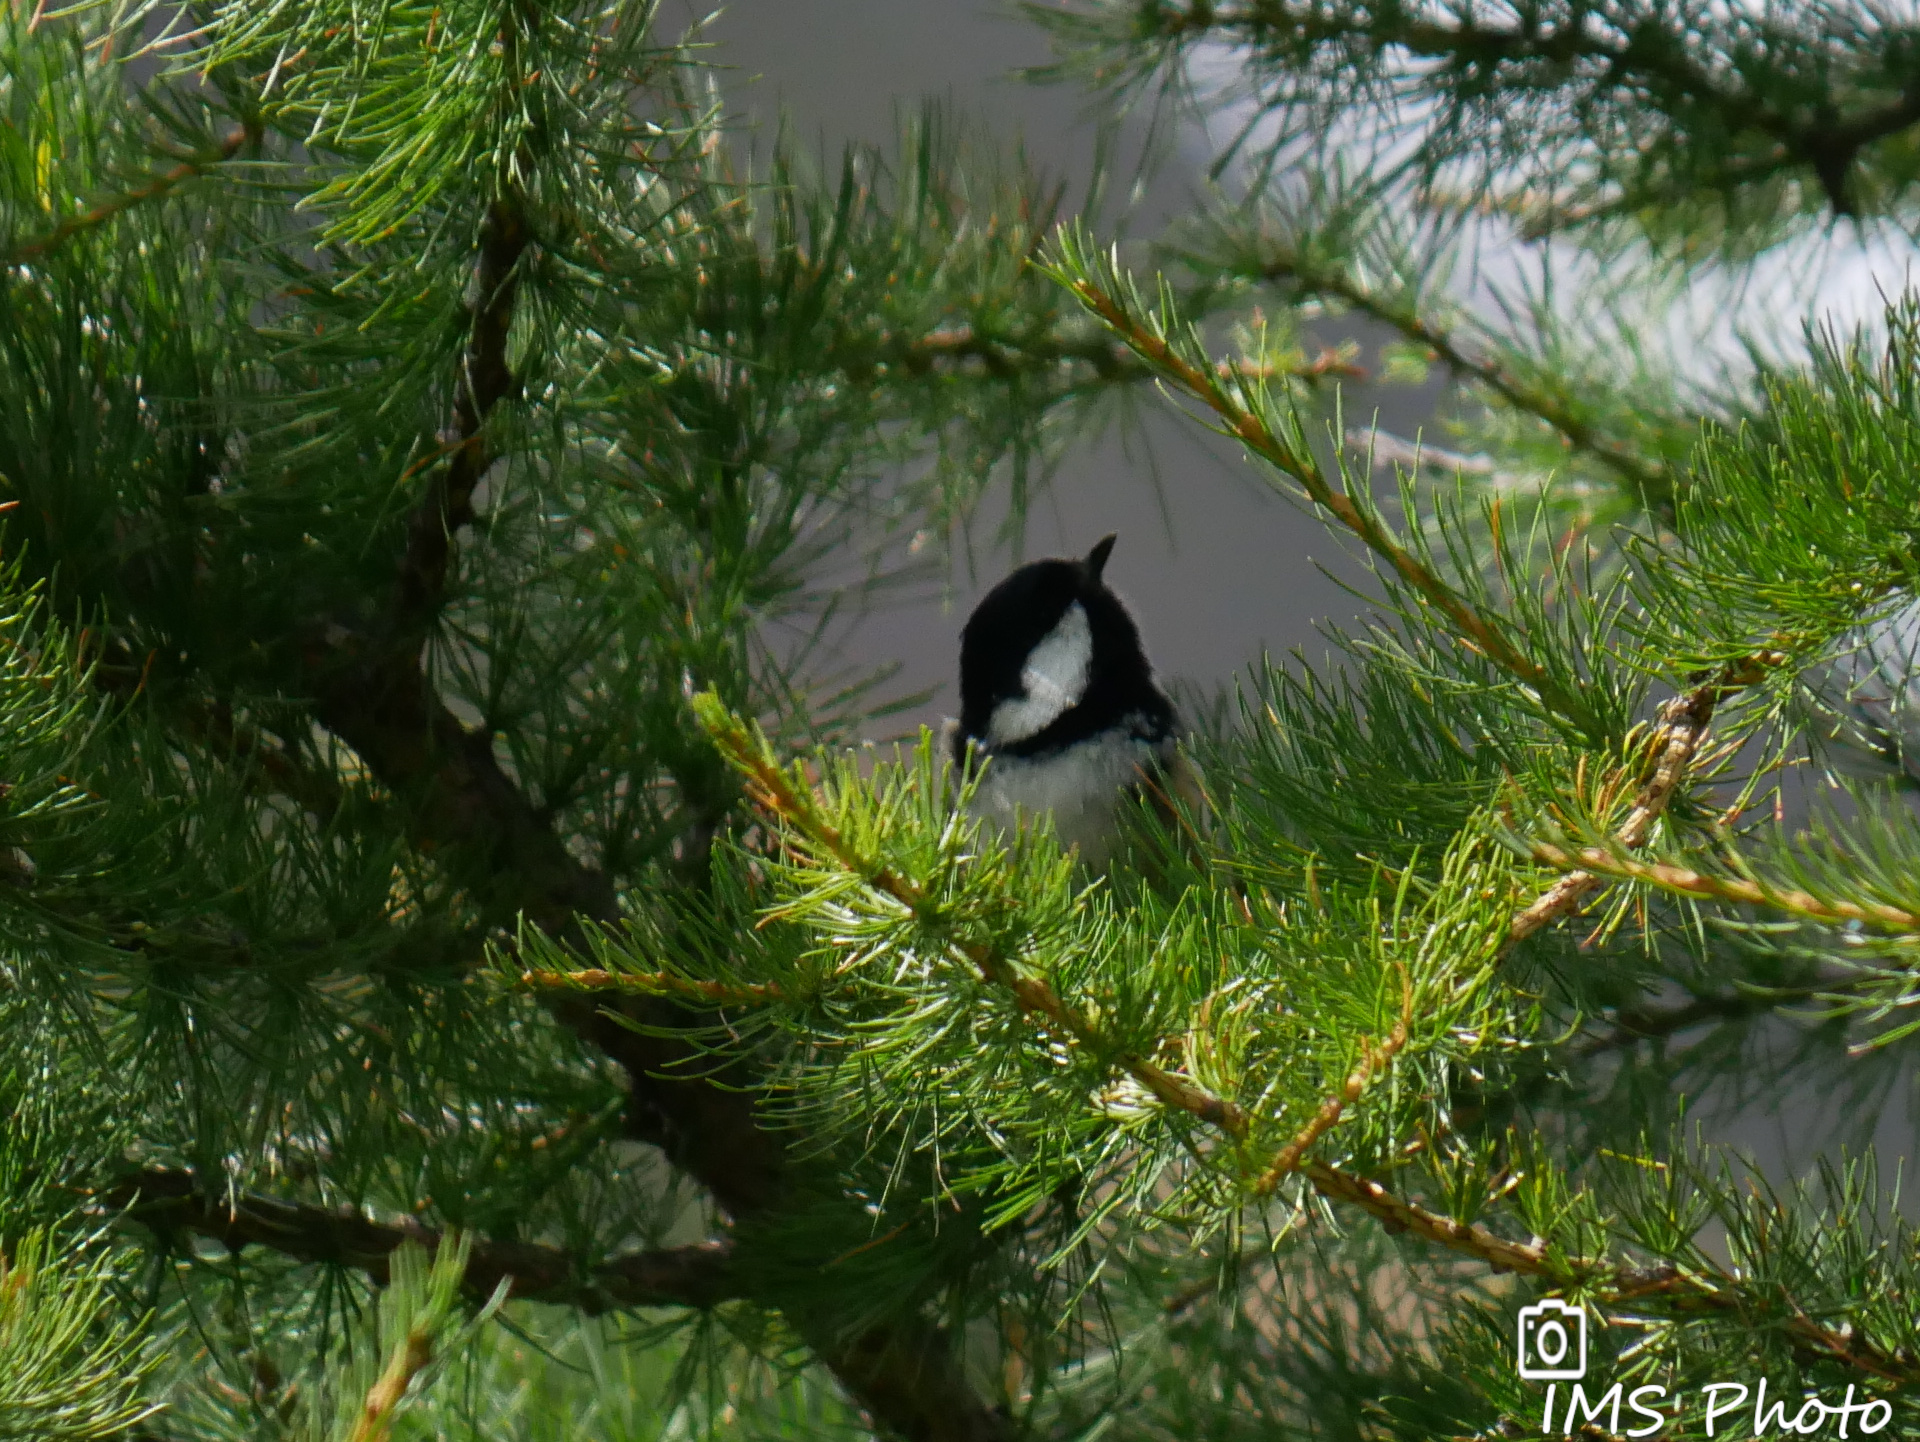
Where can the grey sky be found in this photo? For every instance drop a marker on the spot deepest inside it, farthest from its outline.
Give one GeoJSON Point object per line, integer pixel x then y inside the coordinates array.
{"type": "Point", "coordinates": [1228, 569]}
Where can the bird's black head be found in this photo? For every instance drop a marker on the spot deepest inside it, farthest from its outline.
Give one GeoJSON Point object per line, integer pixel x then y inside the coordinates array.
{"type": "Point", "coordinates": [1050, 657]}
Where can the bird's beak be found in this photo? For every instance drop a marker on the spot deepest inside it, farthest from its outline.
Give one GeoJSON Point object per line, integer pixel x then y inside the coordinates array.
{"type": "Point", "coordinates": [1096, 561]}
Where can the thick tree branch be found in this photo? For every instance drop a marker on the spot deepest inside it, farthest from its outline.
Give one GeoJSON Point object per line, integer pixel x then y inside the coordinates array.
{"type": "Point", "coordinates": [373, 692]}
{"type": "Point", "coordinates": [165, 1199]}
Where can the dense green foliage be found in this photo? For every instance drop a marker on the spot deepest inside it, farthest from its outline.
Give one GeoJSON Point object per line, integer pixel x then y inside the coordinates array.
{"type": "Point", "coordinates": [458, 979]}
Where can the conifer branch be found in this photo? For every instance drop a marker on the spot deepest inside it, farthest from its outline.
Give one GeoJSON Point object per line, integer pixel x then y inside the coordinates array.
{"type": "Point", "coordinates": [375, 695]}
{"type": "Point", "coordinates": [1609, 1284]}
{"type": "Point", "coordinates": [465, 807]}
{"type": "Point", "coordinates": [656, 983]}
{"type": "Point", "coordinates": [485, 379]}
{"type": "Point", "coordinates": [1210, 390]}
{"type": "Point", "coordinates": [1002, 356]}
{"type": "Point", "coordinates": [1007, 356]}
{"type": "Point", "coordinates": [1373, 1058]}
{"type": "Point", "coordinates": [1684, 881]}
{"type": "Point", "coordinates": [777, 794]}
{"type": "Point", "coordinates": [1675, 741]}
{"type": "Point", "coordinates": [1683, 728]}
{"type": "Point", "coordinates": [121, 673]}
{"type": "Point", "coordinates": [1653, 63]}
{"type": "Point", "coordinates": [1652, 485]}
{"type": "Point", "coordinates": [170, 1199]}
{"type": "Point", "coordinates": [103, 211]}
{"type": "Point", "coordinates": [409, 1359]}
{"type": "Point", "coordinates": [1399, 1215]}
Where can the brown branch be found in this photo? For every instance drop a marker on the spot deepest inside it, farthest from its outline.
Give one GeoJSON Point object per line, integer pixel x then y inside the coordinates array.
{"type": "Point", "coordinates": [1372, 1059]}
{"type": "Point", "coordinates": [1684, 723]}
{"type": "Point", "coordinates": [920, 355]}
{"type": "Point", "coordinates": [484, 381]}
{"type": "Point", "coordinates": [1207, 387]}
{"type": "Point", "coordinates": [1652, 485]}
{"type": "Point", "coordinates": [166, 1199]}
{"type": "Point", "coordinates": [105, 210]}
{"type": "Point", "coordinates": [1675, 741]}
{"type": "Point", "coordinates": [461, 806]}
{"type": "Point", "coordinates": [657, 983]}
{"type": "Point", "coordinates": [774, 792]}
{"type": "Point", "coordinates": [465, 810]}
{"type": "Point", "coordinates": [1008, 356]}
{"type": "Point", "coordinates": [1607, 1284]}
{"type": "Point", "coordinates": [1683, 881]}
{"type": "Point", "coordinates": [1399, 1215]}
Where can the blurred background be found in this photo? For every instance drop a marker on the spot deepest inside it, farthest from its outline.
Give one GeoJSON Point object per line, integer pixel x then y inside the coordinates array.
{"type": "Point", "coordinates": [1216, 566]}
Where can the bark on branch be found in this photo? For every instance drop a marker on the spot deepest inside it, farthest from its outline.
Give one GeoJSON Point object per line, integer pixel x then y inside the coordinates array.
{"type": "Point", "coordinates": [166, 1199]}
{"type": "Point", "coordinates": [1676, 740]}
{"type": "Point", "coordinates": [374, 693]}
{"type": "Point", "coordinates": [1650, 484]}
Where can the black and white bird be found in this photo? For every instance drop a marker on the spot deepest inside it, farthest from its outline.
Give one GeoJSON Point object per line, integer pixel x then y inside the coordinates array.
{"type": "Point", "coordinates": [1056, 691]}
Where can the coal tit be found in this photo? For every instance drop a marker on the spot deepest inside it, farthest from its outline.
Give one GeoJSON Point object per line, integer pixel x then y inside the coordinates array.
{"type": "Point", "coordinates": [1056, 691]}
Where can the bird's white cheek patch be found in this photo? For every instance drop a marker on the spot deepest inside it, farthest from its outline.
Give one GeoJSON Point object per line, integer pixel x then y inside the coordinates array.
{"type": "Point", "coordinates": [1054, 678]}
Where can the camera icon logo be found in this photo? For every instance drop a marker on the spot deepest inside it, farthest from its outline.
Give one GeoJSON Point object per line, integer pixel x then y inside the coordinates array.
{"type": "Point", "coordinates": [1553, 1342]}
